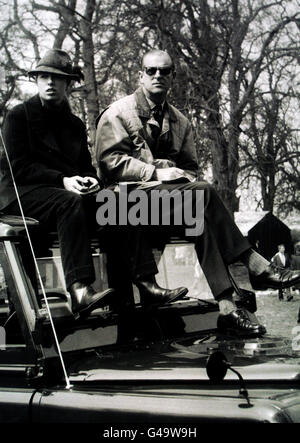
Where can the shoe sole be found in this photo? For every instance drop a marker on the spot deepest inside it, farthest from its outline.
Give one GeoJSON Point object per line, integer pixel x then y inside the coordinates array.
{"type": "Point", "coordinates": [274, 286]}
{"type": "Point", "coordinates": [103, 301]}
{"type": "Point", "coordinates": [240, 334]}
{"type": "Point", "coordinates": [179, 295]}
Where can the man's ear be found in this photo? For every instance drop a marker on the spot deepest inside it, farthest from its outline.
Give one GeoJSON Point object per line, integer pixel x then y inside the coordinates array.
{"type": "Point", "coordinates": [140, 75]}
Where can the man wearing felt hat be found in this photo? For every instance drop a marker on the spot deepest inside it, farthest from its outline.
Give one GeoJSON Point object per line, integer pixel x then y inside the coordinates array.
{"type": "Point", "coordinates": [51, 163]}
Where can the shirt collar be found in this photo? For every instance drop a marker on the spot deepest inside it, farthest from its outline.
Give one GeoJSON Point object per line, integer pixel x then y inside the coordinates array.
{"type": "Point", "coordinates": [153, 105]}
{"type": "Point", "coordinates": [143, 106]}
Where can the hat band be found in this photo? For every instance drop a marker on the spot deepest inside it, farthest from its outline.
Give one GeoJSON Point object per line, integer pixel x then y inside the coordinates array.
{"type": "Point", "coordinates": [67, 71]}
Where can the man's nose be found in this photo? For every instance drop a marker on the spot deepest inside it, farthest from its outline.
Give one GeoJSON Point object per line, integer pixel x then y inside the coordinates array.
{"type": "Point", "coordinates": [157, 73]}
{"type": "Point", "coordinates": [51, 79]}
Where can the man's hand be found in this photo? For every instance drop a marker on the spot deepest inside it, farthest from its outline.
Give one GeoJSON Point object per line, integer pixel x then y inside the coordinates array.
{"type": "Point", "coordinates": [91, 185]}
{"type": "Point", "coordinates": [168, 174]}
{"type": "Point", "coordinates": [80, 185]}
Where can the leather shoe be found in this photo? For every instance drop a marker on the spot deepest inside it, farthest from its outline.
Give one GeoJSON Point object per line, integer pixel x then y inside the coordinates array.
{"type": "Point", "coordinates": [85, 299]}
{"type": "Point", "coordinates": [275, 280]}
{"type": "Point", "coordinates": [153, 295]}
{"type": "Point", "coordinates": [238, 323]}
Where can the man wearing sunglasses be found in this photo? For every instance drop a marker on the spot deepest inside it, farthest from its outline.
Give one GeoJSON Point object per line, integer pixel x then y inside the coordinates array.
{"type": "Point", "coordinates": [143, 139]}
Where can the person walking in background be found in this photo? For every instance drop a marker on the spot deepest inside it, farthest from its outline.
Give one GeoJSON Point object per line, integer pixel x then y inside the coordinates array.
{"type": "Point", "coordinates": [281, 261]}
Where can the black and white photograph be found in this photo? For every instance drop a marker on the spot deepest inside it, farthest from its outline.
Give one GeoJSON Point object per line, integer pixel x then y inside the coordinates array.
{"type": "Point", "coordinates": [149, 217]}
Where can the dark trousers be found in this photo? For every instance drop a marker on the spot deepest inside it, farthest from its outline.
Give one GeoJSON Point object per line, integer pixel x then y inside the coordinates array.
{"type": "Point", "coordinates": [130, 249]}
{"type": "Point", "coordinates": [71, 216]}
{"type": "Point", "coordinates": [74, 218]}
{"type": "Point", "coordinates": [220, 244]}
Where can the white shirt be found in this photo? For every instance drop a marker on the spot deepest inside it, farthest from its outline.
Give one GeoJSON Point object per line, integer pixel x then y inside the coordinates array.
{"type": "Point", "coordinates": [282, 257]}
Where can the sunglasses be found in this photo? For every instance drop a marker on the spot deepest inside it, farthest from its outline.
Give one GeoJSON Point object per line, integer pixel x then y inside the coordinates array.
{"type": "Point", "coordinates": [163, 71]}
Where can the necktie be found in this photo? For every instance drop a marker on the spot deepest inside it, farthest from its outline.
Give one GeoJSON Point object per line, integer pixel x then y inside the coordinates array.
{"type": "Point", "coordinates": [158, 114]}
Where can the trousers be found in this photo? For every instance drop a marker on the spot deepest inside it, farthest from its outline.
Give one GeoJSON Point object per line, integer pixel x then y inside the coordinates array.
{"type": "Point", "coordinates": [220, 244]}
{"type": "Point", "coordinates": [70, 215]}
{"type": "Point", "coordinates": [73, 217]}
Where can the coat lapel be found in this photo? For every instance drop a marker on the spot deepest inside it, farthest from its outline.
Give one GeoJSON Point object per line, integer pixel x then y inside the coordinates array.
{"type": "Point", "coordinates": [144, 112]}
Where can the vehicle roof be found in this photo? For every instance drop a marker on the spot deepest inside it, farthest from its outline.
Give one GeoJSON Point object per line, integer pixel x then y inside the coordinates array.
{"type": "Point", "coordinates": [267, 358]}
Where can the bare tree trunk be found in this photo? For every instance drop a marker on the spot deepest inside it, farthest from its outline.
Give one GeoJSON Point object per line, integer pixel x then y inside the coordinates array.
{"type": "Point", "coordinates": [224, 178]}
{"type": "Point", "coordinates": [238, 32]}
{"type": "Point", "coordinates": [90, 90]}
{"type": "Point", "coordinates": [66, 20]}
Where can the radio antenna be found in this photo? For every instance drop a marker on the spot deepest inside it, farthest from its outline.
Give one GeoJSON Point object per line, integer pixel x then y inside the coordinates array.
{"type": "Point", "coordinates": [68, 385]}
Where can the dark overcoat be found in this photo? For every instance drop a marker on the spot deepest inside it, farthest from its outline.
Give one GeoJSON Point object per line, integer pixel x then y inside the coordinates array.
{"type": "Point", "coordinates": [278, 263]}
{"type": "Point", "coordinates": [41, 152]}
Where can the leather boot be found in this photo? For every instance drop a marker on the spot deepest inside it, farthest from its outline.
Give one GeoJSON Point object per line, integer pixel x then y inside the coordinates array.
{"type": "Point", "coordinates": [85, 299]}
{"type": "Point", "coordinates": [153, 295]}
{"type": "Point", "coordinates": [274, 280]}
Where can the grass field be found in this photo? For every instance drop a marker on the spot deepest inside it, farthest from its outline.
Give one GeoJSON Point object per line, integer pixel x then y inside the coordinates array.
{"type": "Point", "coordinates": [180, 268]}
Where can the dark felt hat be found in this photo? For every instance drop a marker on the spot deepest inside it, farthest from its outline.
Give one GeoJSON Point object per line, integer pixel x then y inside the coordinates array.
{"type": "Point", "coordinates": [56, 61]}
